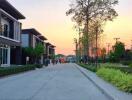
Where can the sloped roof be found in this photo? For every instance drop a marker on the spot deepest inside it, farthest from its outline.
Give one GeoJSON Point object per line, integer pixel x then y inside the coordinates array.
{"type": "Point", "coordinates": [6, 6]}
{"type": "Point", "coordinates": [35, 32]}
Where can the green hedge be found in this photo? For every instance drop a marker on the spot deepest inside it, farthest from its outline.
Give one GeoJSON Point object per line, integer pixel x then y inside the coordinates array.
{"type": "Point", "coordinates": [126, 62]}
{"type": "Point", "coordinates": [89, 67]}
{"type": "Point", "coordinates": [123, 69]}
{"type": "Point", "coordinates": [118, 78]}
{"type": "Point", "coordinates": [118, 67]}
{"type": "Point", "coordinates": [15, 70]}
{"type": "Point", "coordinates": [38, 65]}
{"type": "Point", "coordinates": [130, 65]}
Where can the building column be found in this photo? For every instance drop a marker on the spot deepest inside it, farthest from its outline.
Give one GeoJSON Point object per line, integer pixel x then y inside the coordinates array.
{"type": "Point", "coordinates": [8, 56]}
{"type": "Point", "coordinates": [18, 55]}
{"type": "Point", "coordinates": [0, 17]}
{"type": "Point", "coordinates": [42, 59]}
{"type": "Point", "coordinates": [0, 23]}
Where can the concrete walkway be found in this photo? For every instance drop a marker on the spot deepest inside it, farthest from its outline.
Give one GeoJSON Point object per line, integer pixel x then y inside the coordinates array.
{"type": "Point", "coordinates": [59, 82]}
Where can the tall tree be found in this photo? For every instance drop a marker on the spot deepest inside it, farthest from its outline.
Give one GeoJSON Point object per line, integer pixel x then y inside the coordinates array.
{"type": "Point", "coordinates": [86, 12]}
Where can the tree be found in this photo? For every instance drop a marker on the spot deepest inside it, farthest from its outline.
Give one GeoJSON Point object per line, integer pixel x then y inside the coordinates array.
{"type": "Point", "coordinates": [35, 53]}
{"type": "Point", "coordinates": [88, 12]}
{"type": "Point", "coordinates": [128, 55]}
{"type": "Point", "coordinates": [29, 51]}
{"type": "Point", "coordinates": [118, 52]}
{"type": "Point", "coordinates": [103, 54]}
{"type": "Point", "coordinates": [38, 51]}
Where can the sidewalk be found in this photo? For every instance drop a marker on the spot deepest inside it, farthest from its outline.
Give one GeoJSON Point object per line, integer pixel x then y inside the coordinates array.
{"type": "Point", "coordinates": [109, 90]}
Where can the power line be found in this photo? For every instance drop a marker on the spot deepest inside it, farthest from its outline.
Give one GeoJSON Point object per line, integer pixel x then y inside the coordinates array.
{"type": "Point", "coordinates": [108, 45]}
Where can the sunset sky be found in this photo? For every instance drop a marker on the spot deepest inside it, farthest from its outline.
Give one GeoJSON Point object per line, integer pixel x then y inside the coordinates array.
{"type": "Point", "coordinates": [48, 17]}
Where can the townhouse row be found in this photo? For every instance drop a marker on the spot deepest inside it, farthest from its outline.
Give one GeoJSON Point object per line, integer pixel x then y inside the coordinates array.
{"type": "Point", "coordinates": [13, 38]}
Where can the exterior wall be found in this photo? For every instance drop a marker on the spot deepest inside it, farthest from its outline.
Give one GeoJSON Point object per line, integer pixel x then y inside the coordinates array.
{"type": "Point", "coordinates": [13, 26]}
{"type": "Point", "coordinates": [34, 41]}
{"type": "Point", "coordinates": [31, 40]}
{"type": "Point", "coordinates": [9, 37]}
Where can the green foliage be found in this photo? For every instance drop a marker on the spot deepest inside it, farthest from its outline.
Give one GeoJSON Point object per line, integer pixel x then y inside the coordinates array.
{"type": "Point", "coordinates": [121, 80]}
{"type": "Point", "coordinates": [119, 50]}
{"type": "Point", "coordinates": [126, 62]}
{"type": "Point", "coordinates": [117, 67]}
{"type": "Point", "coordinates": [128, 55]}
{"type": "Point", "coordinates": [118, 53]}
{"type": "Point", "coordinates": [29, 51]}
{"type": "Point", "coordinates": [92, 15]}
{"type": "Point", "coordinates": [39, 50]}
{"type": "Point", "coordinates": [59, 55]}
{"type": "Point", "coordinates": [130, 65]}
{"type": "Point", "coordinates": [89, 67]}
{"type": "Point", "coordinates": [38, 66]}
{"type": "Point", "coordinates": [35, 53]}
{"type": "Point", "coordinates": [15, 70]}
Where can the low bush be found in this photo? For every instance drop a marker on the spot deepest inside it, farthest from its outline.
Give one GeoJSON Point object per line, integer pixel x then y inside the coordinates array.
{"type": "Point", "coordinates": [89, 67]}
{"type": "Point", "coordinates": [117, 67]}
{"type": "Point", "coordinates": [16, 69]}
{"type": "Point", "coordinates": [118, 78]}
{"type": "Point", "coordinates": [38, 65]}
{"type": "Point", "coordinates": [130, 65]}
{"type": "Point", "coordinates": [111, 65]}
{"type": "Point", "coordinates": [126, 62]}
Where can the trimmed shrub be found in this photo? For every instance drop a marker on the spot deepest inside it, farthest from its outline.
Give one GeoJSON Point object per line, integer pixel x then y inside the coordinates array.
{"type": "Point", "coordinates": [89, 67]}
{"type": "Point", "coordinates": [126, 62]}
{"type": "Point", "coordinates": [130, 65]}
{"type": "Point", "coordinates": [38, 65]}
{"type": "Point", "coordinates": [117, 67]}
{"type": "Point", "coordinates": [120, 79]}
{"type": "Point", "coordinates": [16, 69]}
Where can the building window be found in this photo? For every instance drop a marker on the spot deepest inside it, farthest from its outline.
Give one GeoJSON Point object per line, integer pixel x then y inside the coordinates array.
{"type": "Point", "coordinates": [5, 31]}
{"type": "Point", "coordinates": [3, 54]}
{"type": "Point", "coordinates": [25, 40]}
{"type": "Point", "coordinates": [17, 28]}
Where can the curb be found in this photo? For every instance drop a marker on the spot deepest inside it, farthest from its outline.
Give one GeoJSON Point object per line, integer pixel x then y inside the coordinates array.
{"type": "Point", "coordinates": [101, 89]}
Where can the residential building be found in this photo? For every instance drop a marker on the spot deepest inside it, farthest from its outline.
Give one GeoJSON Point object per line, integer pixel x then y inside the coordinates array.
{"type": "Point", "coordinates": [10, 33]}
{"type": "Point", "coordinates": [50, 50]}
{"type": "Point", "coordinates": [30, 38]}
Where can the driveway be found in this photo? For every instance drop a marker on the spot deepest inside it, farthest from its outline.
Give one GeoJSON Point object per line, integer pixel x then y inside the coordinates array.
{"type": "Point", "coordinates": [59, 82]}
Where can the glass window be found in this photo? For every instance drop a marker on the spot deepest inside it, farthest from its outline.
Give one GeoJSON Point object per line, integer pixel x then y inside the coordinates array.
{"type": "Point", "coordinates": [0, 56]}
{"type": "Point", "coordinates": [3, 54]}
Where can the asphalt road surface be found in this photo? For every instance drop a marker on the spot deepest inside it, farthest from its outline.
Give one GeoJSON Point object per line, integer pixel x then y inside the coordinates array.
{"type": "Point", "coordinates": [59, 82]}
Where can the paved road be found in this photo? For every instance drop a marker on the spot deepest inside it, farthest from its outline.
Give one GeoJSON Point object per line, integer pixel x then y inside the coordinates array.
{"type": "Point", "coordinates": [60, 82]}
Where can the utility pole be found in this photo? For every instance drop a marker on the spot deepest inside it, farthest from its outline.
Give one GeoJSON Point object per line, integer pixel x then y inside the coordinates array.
{"type": "Point", "coordinates": [116, 39]}
{"type": "Point", "coordinates": [131, 45]}
{"type": "Point", "coordinates": [108, 45]}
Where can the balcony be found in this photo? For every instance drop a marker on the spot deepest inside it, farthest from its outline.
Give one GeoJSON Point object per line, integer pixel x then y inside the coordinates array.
{"type": "Point", "coordinates": [9, 27]}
